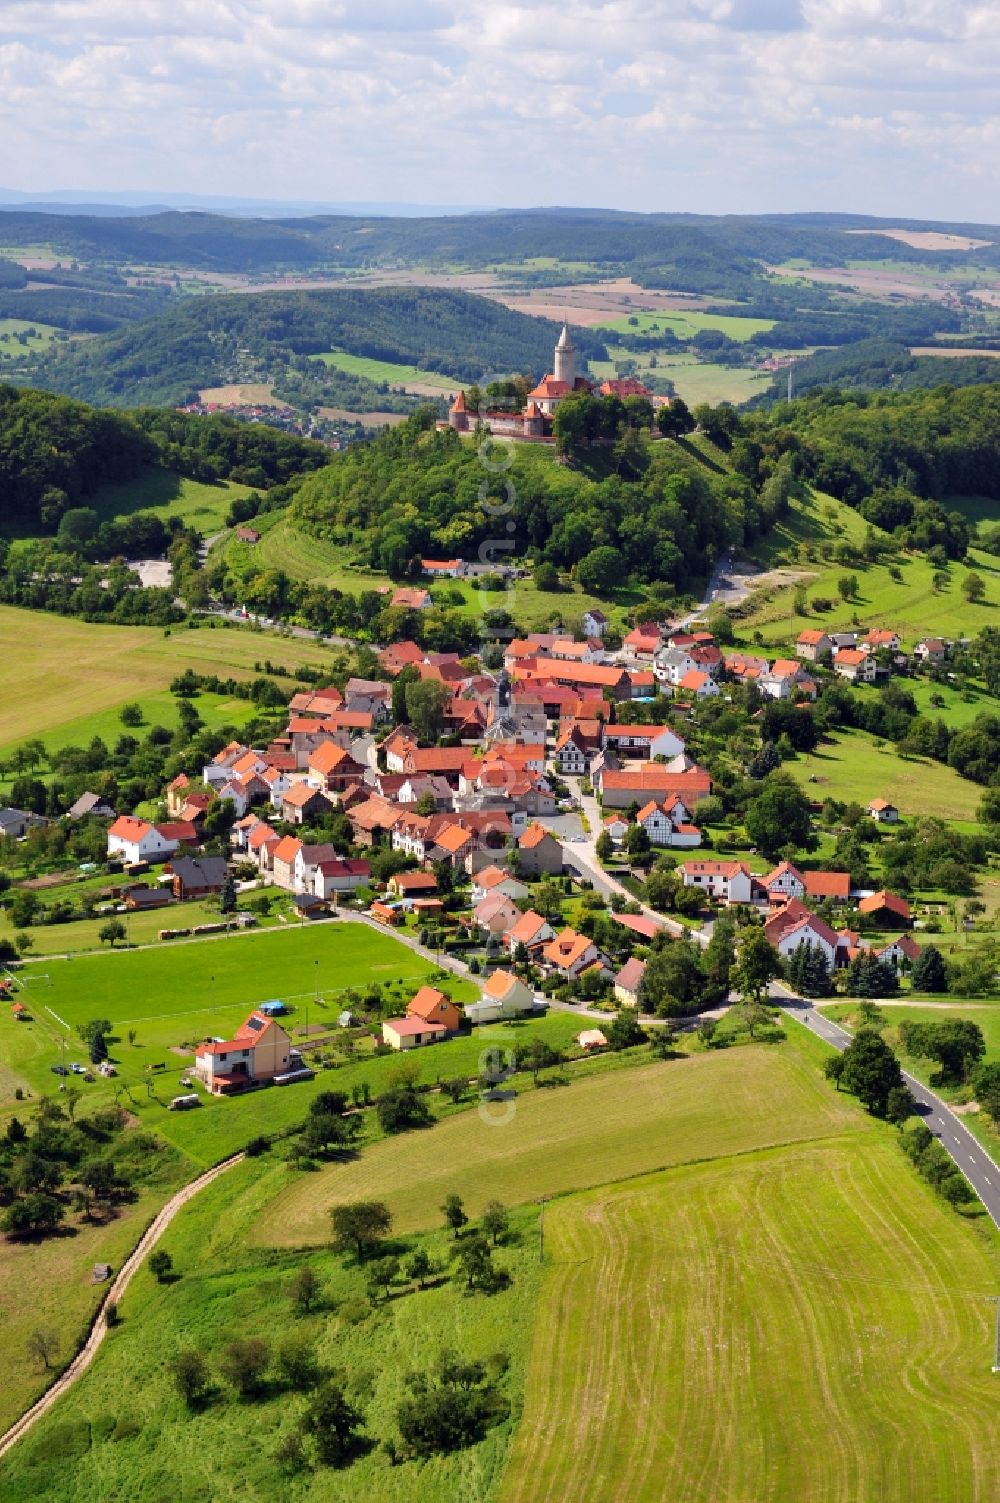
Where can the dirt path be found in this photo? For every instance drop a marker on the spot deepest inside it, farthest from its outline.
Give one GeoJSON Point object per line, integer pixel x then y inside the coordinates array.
{"type": "Point", "coordinates": [114, 1292]}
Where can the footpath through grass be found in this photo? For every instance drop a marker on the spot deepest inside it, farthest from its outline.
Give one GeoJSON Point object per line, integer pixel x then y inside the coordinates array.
{"type": "Point", "coordinates": [597, 1129]}
{"type": "Point", "coordinates": [807, 1323]}
{"type": "Point", "coordinates": [124, 1433]}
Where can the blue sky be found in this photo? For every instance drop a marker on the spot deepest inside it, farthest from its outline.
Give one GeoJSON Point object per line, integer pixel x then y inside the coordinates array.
{"type": "Point", "coordinates": [880, 106]}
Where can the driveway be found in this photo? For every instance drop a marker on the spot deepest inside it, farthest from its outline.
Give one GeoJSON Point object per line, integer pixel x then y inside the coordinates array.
{"type": "Point", "coordinates": [582, 858]}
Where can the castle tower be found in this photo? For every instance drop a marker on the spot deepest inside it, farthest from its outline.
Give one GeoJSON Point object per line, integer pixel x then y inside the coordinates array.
{"type": "Point", "coordinates": [565, 366]}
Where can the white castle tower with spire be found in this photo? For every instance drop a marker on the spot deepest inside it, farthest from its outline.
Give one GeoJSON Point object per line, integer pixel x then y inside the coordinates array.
{"type": "Point", "coordinates": [565, 366]}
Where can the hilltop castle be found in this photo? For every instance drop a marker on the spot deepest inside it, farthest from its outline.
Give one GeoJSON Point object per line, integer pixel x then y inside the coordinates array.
{"type": "Point", "coordinates": [535, 420]}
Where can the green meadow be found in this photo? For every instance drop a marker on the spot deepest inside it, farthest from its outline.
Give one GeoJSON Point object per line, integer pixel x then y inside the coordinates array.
{"type": "Point", "coordinates": [392, 373]}
{"type": "Point", "coordinates": [686, 325]}
{"type": "Point", "coordinates": [853, 767]}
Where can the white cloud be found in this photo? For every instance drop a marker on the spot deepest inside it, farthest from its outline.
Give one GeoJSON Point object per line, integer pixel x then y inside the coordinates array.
{"type": "Point", "coordinates": [880, 105]}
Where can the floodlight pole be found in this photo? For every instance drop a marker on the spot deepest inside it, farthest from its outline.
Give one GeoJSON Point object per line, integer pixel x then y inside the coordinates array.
{"type": "Point", "coordinates": [541, 1231]}
{"type": "Point", "coordinates": [996, 1344]}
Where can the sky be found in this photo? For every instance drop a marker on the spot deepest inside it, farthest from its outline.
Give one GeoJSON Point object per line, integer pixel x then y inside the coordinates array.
{"type": "Point", "coordinates": [888, 107]}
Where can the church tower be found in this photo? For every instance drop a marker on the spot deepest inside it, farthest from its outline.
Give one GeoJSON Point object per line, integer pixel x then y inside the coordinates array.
{"type": "Point", "coordinates": [565, 366]}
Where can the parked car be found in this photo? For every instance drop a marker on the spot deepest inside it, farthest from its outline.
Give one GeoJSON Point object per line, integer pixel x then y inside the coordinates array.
{"type": "Point", "coordinates": [59, 1070]}
{"type": "Point", "coordinates": [79, 1069]}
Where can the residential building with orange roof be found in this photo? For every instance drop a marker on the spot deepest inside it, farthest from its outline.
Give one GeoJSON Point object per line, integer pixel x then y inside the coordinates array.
{"type": "Point", "coordinates": [569, 954]}
{"type": "Point", "coordinates": [411, 598]}
{"type": "Point", "coordinates": [531, 931]}
{"type": "Point", "coordinates": [432, 1006]}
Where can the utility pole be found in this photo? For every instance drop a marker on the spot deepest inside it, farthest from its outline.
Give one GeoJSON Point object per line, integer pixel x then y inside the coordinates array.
{"type": "Point", "coordinates": [996, 1343]}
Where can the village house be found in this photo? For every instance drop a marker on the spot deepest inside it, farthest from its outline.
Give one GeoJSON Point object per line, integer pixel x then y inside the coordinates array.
{"type": "Point", "coordinates": [331, 767]}
{"type": "Point", "coordinates": [697, 684]}
{"type": "Point", "coordinates": [631, 741]}
{"type": "Point", "coordinates": [339, 874]}
{"type": "Point", "coordinates": [856, 666]}
{"type": "Point", "coordinates": [654, 781]}
{"type": "Point", "coordinates": [569, 954]}
{"type": "Point", "coordinates": [595, 623]}
{"type": "Point", "coordinates": [432, 1006]}
{"type": "Point", "coordinates": [931, 650]}
{"type": "Point", "coordinates": [667, 824]}
{"type": "Point", "coordinates": [497, 879]}
{"type": "Point", "coordinates": [411, 1033]}
{"type": "Point", "coordinates": [539, 853]}
{"type": "Point", "coordinates": [628, 981]}
{"type": "Point", "coordinates": [888, 908]}
{"type": "Point", "coordinates": [259, 1053]}
{"type": "Point", "coordinates": [438, 568]}
{"type": "Point", "coordinates": [196, 876]}
{"type": "Point", "coordinates": [615, 825]}
{"type": "Point", "coordinates": [283, 861]}
{"type": "Point", "coordinates": [883, 812]}
{"type": "Point", "coordinates": [787, 931]}
{"type": "Point", "coordinates": [570, 755]}
{"type": "Point", "coordinates": [814, 645]}
{"type": "Point", "coordinates": [412, 884]}
{"type": "Point", "coordinates": [410, 598]}
{"type": "Point", "coordinates": [728, 881]}
{"type": "Point", "coordinates": [642, 642]}
{"type": "Point", "coordinates": [881, 641]}
{"type": "Point", "coordinates": [90, 806]}
{"type": "Point", "coordinates": [302, 803]}
{"type": "Point", "coordinates": [532, 931]}
{"type": "Point", "coordinates": [496, 914]}
{"type": "Point", "coordinates": [136, 840]}
{"type": "Point", "coordinates": [504, 996]}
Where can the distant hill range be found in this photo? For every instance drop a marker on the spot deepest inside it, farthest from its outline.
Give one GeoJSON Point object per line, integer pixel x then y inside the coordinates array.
{"type": "Point", "coordinates": [688, 252]}
{"type": "Point", "coordinates": [211, 341]}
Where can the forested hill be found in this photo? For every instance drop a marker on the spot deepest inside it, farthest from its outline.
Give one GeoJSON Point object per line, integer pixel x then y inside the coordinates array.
{"type": "Point", "coordinates": [883, 365]}
{"type": "Point", "coordinates": [415, 490]}
{"type": "Point", "coordinates": [204, 342]}
{"type": "Point", "coordinates": [698, 253]}
{"type": "Point", "coordinates": [55, 454]}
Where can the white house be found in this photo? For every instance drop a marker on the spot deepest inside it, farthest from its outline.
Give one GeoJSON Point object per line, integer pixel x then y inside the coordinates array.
{"type": "Point", "coordinates": [495, 879]}
{"type": "Point", "coordinates": [137, 840]}
{"type": "Point", "coordinates": [595, 623]}
{"type": "Point", "coordinates": [340, 875]}
{"type": "Point", "coordinates": [812, 931]}
{"type": "Point", "coordinates": [504, 996]}
{"type": "Point", "coordinates": [882, 811]}
{"type": "Point", "coordinates": [728, 880]}
{"type": "Point", "coordinates": [856, 666]}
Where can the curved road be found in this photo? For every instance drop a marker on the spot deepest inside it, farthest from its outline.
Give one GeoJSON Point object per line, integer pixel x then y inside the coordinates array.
{"type": "Point", "coordinates": [966, 1151]}
{"type": "Point", "coordinates": [114, 1292]}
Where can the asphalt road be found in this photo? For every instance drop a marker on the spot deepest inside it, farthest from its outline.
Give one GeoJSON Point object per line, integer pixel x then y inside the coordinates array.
{"type": "Point", "coordinates": [966, 1151]}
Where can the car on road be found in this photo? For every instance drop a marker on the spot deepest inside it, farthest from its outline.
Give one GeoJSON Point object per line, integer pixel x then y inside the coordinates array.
{"type": "Point", "coordinates": [59, 1070]}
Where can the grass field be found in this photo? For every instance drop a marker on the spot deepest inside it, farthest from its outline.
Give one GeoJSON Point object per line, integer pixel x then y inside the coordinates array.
{"type": "Point", "coordinates": [686, 325]}
{"type": "Point", "coordinates": [227, 1288]}
{"type": "Point", "coordinates": [850, 766]}
{"type": "Point", "coordinates": [302, 556]}
{"type": "Point", "coordinates": [409, 377]}
{"type": "Point", "coordinates": [89, 670]}
{"type": "Point", "coordinates": [799, 1324]}
{"type": "Point", "coordinates": [695, 380]}
{"type": "Point", "coordinates": [910, 605]}
{"type": "Point", "coordinates": [601, 1128]}
{"type": "Point", "coordinates": [198, 505]}
{"type": "Point", "coordinates": [12, 348]}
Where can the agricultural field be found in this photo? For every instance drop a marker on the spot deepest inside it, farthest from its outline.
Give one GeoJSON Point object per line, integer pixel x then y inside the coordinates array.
{"type": "Point", "coordinates": [687, 324]}
{"type": "Point", "coordinates": [601, 1128]}
{"type": "Point", "coordinates": [832, 1342]}
{"type": "Point", "coordinates": [695, 380]}
{"type": "Point", "coordinates": [911, 604]}
{"type": "Point", "coordinates": [852, 767]}
{"type": "Point", "coordinates": [90, 669]}
{"type": "Point", "coordinates": [410, 378]}
{"type": "Point", "coordinates": [225, 1288]}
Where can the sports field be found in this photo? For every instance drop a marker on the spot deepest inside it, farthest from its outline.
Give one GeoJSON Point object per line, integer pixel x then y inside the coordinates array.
{"type": "Point", "coordinates": [804, 1324]}
{"type": "Point", "coordinates": [852, 767]}
{"type": "Point", "coordinates": [605, 1127]}
{"type": "Point", "coordinates": [88, 670]}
